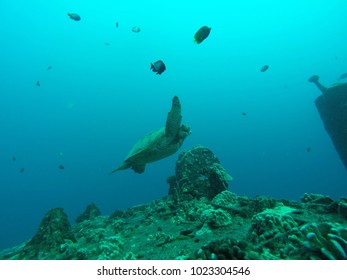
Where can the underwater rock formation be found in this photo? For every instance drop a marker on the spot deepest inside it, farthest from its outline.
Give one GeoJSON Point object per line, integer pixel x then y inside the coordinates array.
{"type": "Point", "coordinates": [91, 212]}
{"type": "Point", "coordinates": [199, 173]}
{"type": "Point", "coordinates": [53, 232]}
{"type": "Point", "coordinates": [227, 227]}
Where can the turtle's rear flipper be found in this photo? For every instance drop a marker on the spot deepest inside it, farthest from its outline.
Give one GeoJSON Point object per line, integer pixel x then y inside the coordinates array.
{"type": "Point", "coordinates": [174, 117]}
{"type": "Point", "coordinates": [139, 168]}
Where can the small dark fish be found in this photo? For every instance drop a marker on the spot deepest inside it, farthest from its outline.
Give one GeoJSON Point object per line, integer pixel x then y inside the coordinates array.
{"type": "Point", "coordinates": [343, 76]}
{"type": "Point", "coordinates": [136, 29]}
{"type": "Point", "coordinates": [117, 24]}
{"type": "Point", "coordinates": [158, 67]}
{"type": "Point", "coordinates": [22, 170]}
{"type": "Point", "coordinates": [107, 44]}
{"type": "Point", "coordinates": [202, 34]}
{"type": "Point", "coordinates": [73, 16]}
{"type": "Point", "coordinates": [264, 68]}
{"type": "Point", "coordinates": [14, 158]}
{"type": "Point", "coordinates": [38, 83]}
{"type": "Point", "coordinates": [308, 149]}
{"type": "Point", "coordinates": [49, 68]}
{"type": "Point", "coordinates": [61, 167]}
{"type": "Point", "coordinates": [244, 114]}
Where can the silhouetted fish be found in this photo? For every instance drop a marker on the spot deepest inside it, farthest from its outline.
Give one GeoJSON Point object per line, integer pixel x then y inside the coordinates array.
{"type": "Point", "coordinates": [107, 44]}
{"type": "Point", "coordinates": [343, 76]}
{"type": "Point", "coordinates": [136, 29]}
{"type": "Point", "coordinates": [38, 83]}
{"type": "Point", "coordinates": [264, 68]}
{"type": "Point", "coordinates": [73, 16]}
{"type": "Point", "coordinates": [117, 24]}
{"type": "Point", "coordinates": [14, 159]}
{"type": "Point", "coordinates": [61, 167]}
{"type": "Point", "coordinates": [244, 114]}
{"type": "Point", "coordinates": [308, 149]}
{"type": "Point", "coordinates": [22, 170]}
{"type": "Point", "coordinates": [158, 67]}
{"type": "Point", "coordinates": [49, 68]}
{"type": "Point", "coordinates": [202, 34]}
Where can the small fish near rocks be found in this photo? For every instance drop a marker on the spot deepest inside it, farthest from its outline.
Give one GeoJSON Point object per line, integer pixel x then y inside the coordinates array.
{"type": "Point", "coordinates": [158, 67]}
{"type": "Point", "coordinates": [74, 17]}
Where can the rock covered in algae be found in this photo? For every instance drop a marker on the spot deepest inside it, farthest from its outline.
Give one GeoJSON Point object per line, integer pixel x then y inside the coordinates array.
{"type": "Point", "coordinates": [199, 173]}
{"type": "Point", "coordinates": [53, 232]}
{"type": "Point", "coordinates": [275, 233]}
{"type": "Point", "coordinates": [91, 212]}
{"type": "Point", "coordinates": [193, 229]}
{"type": "Point", "coordinates": [342, 207]}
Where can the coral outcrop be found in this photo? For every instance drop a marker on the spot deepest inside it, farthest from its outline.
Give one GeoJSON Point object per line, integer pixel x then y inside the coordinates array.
{"type": "Point", "coordinates": [53, 232]}
{"type": "Point", "coordinates": [199, 173]}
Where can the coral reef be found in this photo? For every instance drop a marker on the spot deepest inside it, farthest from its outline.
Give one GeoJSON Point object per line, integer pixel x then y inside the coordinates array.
{"type": "Point", "coordinates": [91, 212]}
{"type": "Point", "coordinates": [53, 232]}
{"type": "Point", "coordinates": [199, 219]}
{"type": "Point", "coordinates": [195, 229]}
{"type": "Point", "coordinates": [326, 241]}
{"type": "Point", "coordinates": [199, 173]}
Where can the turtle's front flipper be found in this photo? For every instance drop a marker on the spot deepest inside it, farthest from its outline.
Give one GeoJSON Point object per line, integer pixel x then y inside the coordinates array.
{"type": "Point", "coordinates": [174, 117]}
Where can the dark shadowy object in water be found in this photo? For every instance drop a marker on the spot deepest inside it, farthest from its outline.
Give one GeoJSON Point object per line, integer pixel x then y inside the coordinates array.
{"type": "Point", "coordinates": [38, 83]}
{"type": "Point", "coordinates": [332, 108]}
{"type": "Point", "coordinates": [343, 76]}
{"type": "Point", "coordinates": [22, 170]}
{"type": "Point", "coordinates": [117, 24]}
{"type": "Point", "coordinates": [73, 16]}
{"type": "Point", "coordinates": [107, 44]}
{"type": "Point", "coordinates": [158, 67]}
{"type": "Point", "coordinates": [202, 34]}
{"type": "Point", "coordinates": [14, 158]}
{"type": "Point", "coordinates": [61, 167]}
{"type": "Point", "coordinates": [136, 29]}
{"type": "Point", "coordinates": [308, 149]}
{"type": "Point", "coordinates": [49, 68]}
{"type": "Point", "coordinates": [264, 68]}
{"type": "Point", "coordinates": [244, 114]}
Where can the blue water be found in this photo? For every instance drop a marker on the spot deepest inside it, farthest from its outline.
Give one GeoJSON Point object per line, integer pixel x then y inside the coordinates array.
{"type": "Point", "coordinates": [97, 100]}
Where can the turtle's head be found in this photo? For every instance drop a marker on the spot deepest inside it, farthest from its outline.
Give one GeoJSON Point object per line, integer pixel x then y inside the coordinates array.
{"type": "Point", "coordinates": [184, 132]}
{"type": "Point", "coordinates": [314, 79]}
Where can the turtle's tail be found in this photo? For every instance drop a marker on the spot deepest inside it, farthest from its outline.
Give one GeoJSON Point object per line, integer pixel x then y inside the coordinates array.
{"type": "Point", "coordinates": [121, 167]}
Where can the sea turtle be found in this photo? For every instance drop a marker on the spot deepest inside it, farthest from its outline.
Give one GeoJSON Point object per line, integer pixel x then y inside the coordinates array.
{"type": "Point", "coordinates": [158, 144]}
